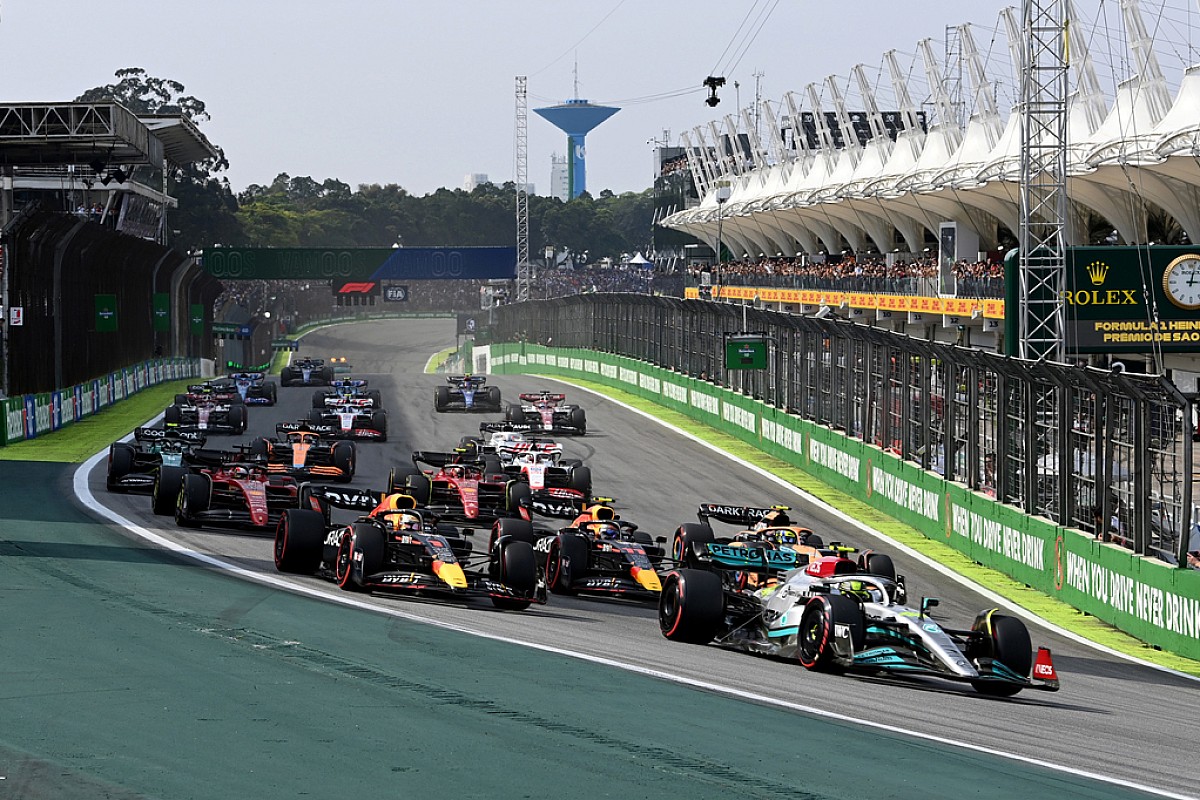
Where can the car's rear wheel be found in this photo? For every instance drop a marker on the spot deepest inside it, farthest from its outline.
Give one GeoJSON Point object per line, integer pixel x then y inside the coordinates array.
{"type": "Point", "coordinates": [120, 464]}
{"type": "Point", "coordinates": [515, 566]}
{"type": "Point", "coordinates": [181, 399]}
{"type": "Point", "coordinates": [581, 481]}
{"type": "Point", "coordinates": [271, 392]}
{"type": "Point", "coordinates": [379, 422]}
{"type": "Point", "coordinates": [419, 486]}
{"type": "Point", "coordinates": [441, 398]}
{"type": "Point", "coordinates": [566, 563]}
{"type": "Point", "coordinates": [579, 420]}
{"type": "Point", "coordinates": [315, 416]}
{"type": "Point", "coordinates": [821, 618]}
{"type": "Point", "coordinates": [1006, 640]}
{"type": "Point", "coordinates": [691, 607]}
{"type": "Point", "coordinates": [689, 543]}
{"type": "Point", "coordinates": [514, 414]}
{"type": "Point", "coordinates": [398, 477]}
{"type": "Point", "coordinates": [493, 396]}
{"type": "Point", "coordinates": [327, 374]}
{"type": "Point", "coordinates": [237, 418]}
{"type": "Point", "coordinates": [299, 540]}
{"type": "Point", "coordinates": [166, 490]}
{"type": "Point", "coordinates": [519, 530]}
{"type": "Point", "coordinates": [172, 415]}
{"type": "Point", "coordinates": [260, 447]}
{"type": "Point", "coordinates": [342, 455]}
{"type": "Point", "coordinates": [878, 564]}
{"type": "Point", "coordinates": [318, 399]}
{"type": "Point", "coordinates": [517, 497]}
{"type": "Point", "coordinates": [286, 375]}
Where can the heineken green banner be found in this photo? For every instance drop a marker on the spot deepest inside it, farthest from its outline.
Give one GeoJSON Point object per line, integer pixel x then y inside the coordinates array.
{"type": "Point", "coordinates": [106, 313]}
{"type": "Point", "coordinates": [196, 319]}
{"type": "Point", "coordinates": [162, 311]}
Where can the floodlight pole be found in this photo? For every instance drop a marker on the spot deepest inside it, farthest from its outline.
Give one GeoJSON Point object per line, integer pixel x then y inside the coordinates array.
{"type": "Point", "coordinates": [722, 196]}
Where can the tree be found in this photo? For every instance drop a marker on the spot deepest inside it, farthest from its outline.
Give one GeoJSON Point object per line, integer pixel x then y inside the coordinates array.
{"type": "Point", "coordinates": [206, 213]}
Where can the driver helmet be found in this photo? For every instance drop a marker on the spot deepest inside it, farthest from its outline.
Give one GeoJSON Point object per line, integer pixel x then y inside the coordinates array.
{"type": "Point", "coordinates": [607, 530]}
{"type": "Point", "coordinates": [240, 473]}
{"type": "Point", "coordinates": [772, 519]}
{"type": "Point", "coordinates": [454, 471]}
{"type": "Point", "coordinates": [861, 590]}
{"type": "Point", "coordinates": [404, 521]}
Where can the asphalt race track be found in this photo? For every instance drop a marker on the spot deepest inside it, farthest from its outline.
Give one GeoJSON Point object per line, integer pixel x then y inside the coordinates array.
{"type": "Point", "coordinates": [1113, 718]}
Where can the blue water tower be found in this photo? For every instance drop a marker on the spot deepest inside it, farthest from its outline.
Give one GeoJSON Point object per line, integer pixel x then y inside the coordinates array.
{"type": "Point", "coordinates": [576, 118]}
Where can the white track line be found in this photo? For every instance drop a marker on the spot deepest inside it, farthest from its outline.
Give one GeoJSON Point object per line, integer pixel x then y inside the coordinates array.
{"type": "Point", "coordinates": [84, 493]}
{"type": "Point", "coordinates": [924, 559]}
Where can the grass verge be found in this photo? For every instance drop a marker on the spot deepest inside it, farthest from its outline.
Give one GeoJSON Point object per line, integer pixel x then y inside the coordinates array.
{"type": "Point", "coordinates": [437, 359]}
{"type": "Point", "coordinates": [80, 440]}
{"type": "Point", "coordinates": [1046, 607]}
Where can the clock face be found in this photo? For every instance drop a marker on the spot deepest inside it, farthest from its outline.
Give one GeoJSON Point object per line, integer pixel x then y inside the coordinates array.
{"type": "Point", "coordinates": [1181, 282]}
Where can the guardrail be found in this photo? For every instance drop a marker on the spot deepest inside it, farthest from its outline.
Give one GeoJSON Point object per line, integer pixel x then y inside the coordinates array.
{"type": "Point", "coordinates": [1147, 598]}
{"type": "Point", "coordinates": [31, 415]}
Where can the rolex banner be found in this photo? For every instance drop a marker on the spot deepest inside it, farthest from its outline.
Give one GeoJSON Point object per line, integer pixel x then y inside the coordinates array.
{"type": "Point", "coordinates": [106, 313]}
{"type": "Point", "coordinates": [1132, 299]}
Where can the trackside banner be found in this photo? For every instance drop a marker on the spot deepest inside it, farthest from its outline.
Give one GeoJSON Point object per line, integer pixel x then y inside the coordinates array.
{"type": "Point", "coordinates": [32, 415]}
{"type": "Point", "coordinates": [1153, 601]}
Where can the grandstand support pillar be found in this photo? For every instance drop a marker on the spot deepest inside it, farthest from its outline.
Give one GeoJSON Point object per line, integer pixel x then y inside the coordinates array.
{"type": "Point", "coordinates": [1042, 261]}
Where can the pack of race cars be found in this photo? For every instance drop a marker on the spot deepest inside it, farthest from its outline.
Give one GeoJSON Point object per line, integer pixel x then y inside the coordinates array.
{"type": "Point", "coordinates": [476, 519]}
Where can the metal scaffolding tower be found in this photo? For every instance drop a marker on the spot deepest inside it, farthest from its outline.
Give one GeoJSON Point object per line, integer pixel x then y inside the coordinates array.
{"type": "Point", "coordinates": [524, 268]}
{"type": "Point", "coordinates": [1043, 188]}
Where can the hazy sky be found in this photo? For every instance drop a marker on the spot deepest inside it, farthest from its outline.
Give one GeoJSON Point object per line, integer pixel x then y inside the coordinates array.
{"type": "Point", "coordinates": [421, 93]}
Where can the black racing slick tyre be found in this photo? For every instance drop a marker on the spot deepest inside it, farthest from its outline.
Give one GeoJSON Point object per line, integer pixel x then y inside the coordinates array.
{"type": "Point", "coordinates": [691, 607]}
{"type": "Point", "coordinates": [286, 375]}
{"type": "Point", "coordinates": [120, 464]}
{"type": "Point", "coordinates": [194, 497]}
{"type": "Point", "coordinates": [398, 479]}
{"type": "Point", "coordinates": [237, 418]}
{"type": "Point", "coordinates": [326, 375]}
{"type": "Point", "coordinates": [566, 563]}
{"type": "Point", "coordinates": [271, 392]}
{"type": "Point", "coordinates": [441, 398]}
{"type": "Point", "coordinates": [579, 420]}
{"type": "Point", "coordinates": [1006, 640]}
{"type": "Point", "coordinates": [493, 397]}
{"type": "Point", "coordinates": [515, 566]}
{"type": "Point", "coordinates": [342, 455]}
{"type": "Point", "coordinates": [166, 490]}
{"type": "Point", "coordinates": [514, 414]}
{"type": "Point", "coordinates": [181, 399]}
{"type": "Point", "coordinates": [518, 530]}
{"type": "Point", "coordinates": [581, 481]}
{"type": "Point", "coordinates": [172, 415]}
{"type": "Point", "coordinates": [318, 399]}
{"type": "Point", "coordinates": [878, 564]}
{"type": "Point", "coordinates": [517, 496]}
{"type": "Point", "coordinates": [260, 447]}
{"type": "Point", "coordinates": [379, 422]}
{"type": "Point", "coordinates": [419, 486]}
{"type": "Point", "coordinates": [359, 556]}
{"type": "Point", "coordinates": [689, 542]}
{"type": "Point", "coordinates": [376, 398]}
{"type": "Point", "coordinates": [299, 539]}
{"type": "Point", "coordinates": [818, 625]}
{"type": "Point", "coordinates": [315, 416]}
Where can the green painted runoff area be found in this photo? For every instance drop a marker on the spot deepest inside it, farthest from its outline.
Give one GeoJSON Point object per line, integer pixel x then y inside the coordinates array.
{"type": "Point", "coordinates": [128, 673]}
{"type": "Point", "coordinates": [735, 423]}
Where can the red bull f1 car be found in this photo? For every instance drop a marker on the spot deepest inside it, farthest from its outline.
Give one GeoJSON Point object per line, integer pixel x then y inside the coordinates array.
{"type": "Point", "coordinates": [547, 412]}
{"type": "Point", "coordinates": [301, 453]}
{"type": "Point", "coordinates": [398, 548]}
{"type": "Point", "coordinates": [831, 614]}
{"type": "Point", "coordinates": [467, 393]}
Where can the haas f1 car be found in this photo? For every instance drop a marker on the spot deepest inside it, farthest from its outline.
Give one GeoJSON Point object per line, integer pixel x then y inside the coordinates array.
{"type": "Point", "coordinates": [132, 467]}
{"type": "Point", "coordinates": [467, 393]}
{"type": "Point", "coordinates": [396, 547]}
{"type": "Point", "coordinates": [348, 390]}
{"type": "Point", "coordinates": [306, 372]}
{"type": "Point", "coordinates": [834, 614]}
{"type": "Point", "coordinates": [350, 419]}
{"type": "Point", "coordinates": [546, 412]}
{"type": "Point", "coordinates": [298, 451]}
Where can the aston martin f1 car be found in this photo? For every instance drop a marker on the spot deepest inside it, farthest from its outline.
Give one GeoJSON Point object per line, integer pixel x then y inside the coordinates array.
{"type": "Point", "coordinates": [398, 548]}
{"type": "Point", "coordinates": [467, 393]}
{"type": "Point", "coordinates": [306, 372]}
{"type": "Point", "coordinates": [207, 412]}
{"type": "Point", "coordinates": [831, 616]}
{"type": "Point", "coordinates": [348, 390]}
{"type": "Point", "coordinates": [546, 412]}
{"type": "Point", "coordinates": [132, 466]}
{"type": "Point", "coordinates": [230, 490]}
{"type": "Point", "coordinates": [599, 553]}
{"type": "Point", "coordinates": [459, 488]}
{"type": "Point", "coordinates": [300, 452]}
{"type": "Point", "coordinates": [357, 419]}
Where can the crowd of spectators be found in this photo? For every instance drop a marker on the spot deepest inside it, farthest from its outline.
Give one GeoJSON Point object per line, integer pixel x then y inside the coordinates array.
{"type": "Point", "coordinates": [582, 280]}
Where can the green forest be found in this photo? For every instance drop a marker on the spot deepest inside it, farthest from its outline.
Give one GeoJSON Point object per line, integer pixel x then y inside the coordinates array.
{"type": "Point", "coordinates": [301, 211]}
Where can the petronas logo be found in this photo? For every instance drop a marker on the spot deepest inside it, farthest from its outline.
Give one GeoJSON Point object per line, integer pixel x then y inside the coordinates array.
{"type": "Point", "coordinates": [1097, 271]}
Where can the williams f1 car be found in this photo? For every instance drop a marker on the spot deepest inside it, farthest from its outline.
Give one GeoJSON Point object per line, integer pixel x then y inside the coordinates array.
{"type": "Point", "coordinates": [132, 466]}
{"type": "Point", "coordinates": [300, 452]}
{"type": "Point", "coordinates": [306, 372]}
{"type": "Point", "coordinates": [467, 393]}
{"type": "Point", "coordinates": [398, 548]}
{"type": "Point", "coordinates": [547, 413]}
{"type": "Point", "coordinates": [830, 615]}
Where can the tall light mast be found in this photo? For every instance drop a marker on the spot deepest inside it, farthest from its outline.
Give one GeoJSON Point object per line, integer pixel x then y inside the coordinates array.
{"type": "Point", "coordinates": [521, 171]}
